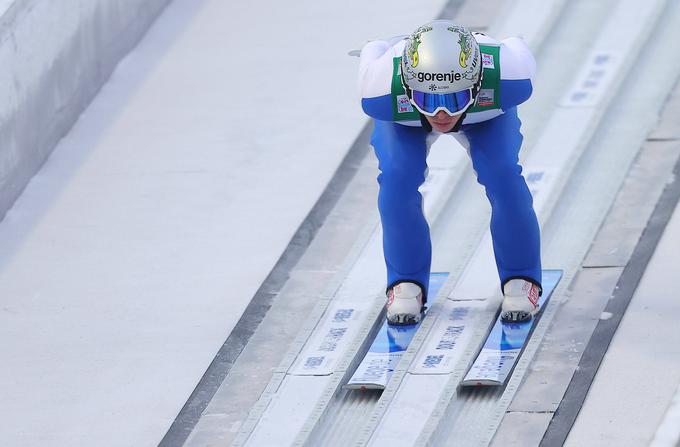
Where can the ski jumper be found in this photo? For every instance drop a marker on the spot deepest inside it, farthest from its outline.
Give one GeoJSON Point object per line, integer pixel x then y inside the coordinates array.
{"type": "Point", "coordinates": [490, 127]}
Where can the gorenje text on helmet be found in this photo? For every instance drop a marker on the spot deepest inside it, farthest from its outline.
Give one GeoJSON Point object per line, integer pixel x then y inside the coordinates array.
{"type": "Point", "coordinates": [450, 77]}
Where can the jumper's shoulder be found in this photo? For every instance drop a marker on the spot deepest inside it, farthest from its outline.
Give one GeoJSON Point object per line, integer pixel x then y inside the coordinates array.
{"type": "Point", "coordinates": [376, 67]}
{"type": "Point", "coordinates": [518, 67]}
{"type": "Point", "coordinates": [382, 95]}
{"type": "Point", "coordinates": [507, 82]}
{"type": "Point", "coordinates": [376, 72]}
{"type": "Point", "coordinates": [517, 62]}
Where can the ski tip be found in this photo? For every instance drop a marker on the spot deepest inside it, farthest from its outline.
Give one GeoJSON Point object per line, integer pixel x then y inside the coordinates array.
{"type": "Point", "coordinates": [363, 386]}
{"type": "Point", "coordinates": [471, 383]}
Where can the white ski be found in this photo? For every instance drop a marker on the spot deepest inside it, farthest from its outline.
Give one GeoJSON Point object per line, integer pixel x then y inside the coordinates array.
{"type": "Point", "coordinates": [505, 343]}
{"type": "Point", "coordinates": [388, 347]}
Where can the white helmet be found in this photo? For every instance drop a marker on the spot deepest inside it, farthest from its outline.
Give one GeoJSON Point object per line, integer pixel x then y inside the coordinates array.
{"type": "Point", "coordinates": [441, 58]}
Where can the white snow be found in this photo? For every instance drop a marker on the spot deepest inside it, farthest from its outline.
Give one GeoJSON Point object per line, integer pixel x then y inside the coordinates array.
{"type": "Point", "coordinates": [131, 255]}
{"type": "Point", "coordinates": [5, 5]}
{"type": "Point", "coordinates": [668, 433]}
{"type": "Point", "coordinates": [640, 372]}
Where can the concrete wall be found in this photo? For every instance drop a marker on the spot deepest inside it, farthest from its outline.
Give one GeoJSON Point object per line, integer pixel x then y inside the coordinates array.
{"type": "Point", "coordinates": [54, 57]}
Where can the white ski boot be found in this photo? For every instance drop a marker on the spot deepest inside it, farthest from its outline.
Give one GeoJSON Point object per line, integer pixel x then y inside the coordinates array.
{"type": "Point", "coordinates": [404, 304]}
{"type": "Point", "coordinates": [520, 302]}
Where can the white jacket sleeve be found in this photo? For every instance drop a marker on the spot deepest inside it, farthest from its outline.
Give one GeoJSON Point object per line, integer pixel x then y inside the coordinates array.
{"type": "Point", "coordinates": [375, 69]}
{"type": "Point", "coordinates": [518, 63]}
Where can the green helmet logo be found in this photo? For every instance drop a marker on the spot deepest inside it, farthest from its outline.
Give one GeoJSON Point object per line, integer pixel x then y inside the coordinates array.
{"type": "Point", "coordinates": [413, 44]}
{"type": "Point", "coordinates": [465, 48]}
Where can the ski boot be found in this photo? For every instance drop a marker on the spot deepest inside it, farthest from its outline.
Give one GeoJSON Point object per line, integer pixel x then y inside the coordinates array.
{"type": "Point", "coordinates": [520, 302]}
{"type": "Point", "coordinates": [404, 304]}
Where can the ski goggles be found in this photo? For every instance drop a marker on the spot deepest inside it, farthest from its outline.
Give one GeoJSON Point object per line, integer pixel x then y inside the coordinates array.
{"type": "Point", "coordinates": [452, 103]}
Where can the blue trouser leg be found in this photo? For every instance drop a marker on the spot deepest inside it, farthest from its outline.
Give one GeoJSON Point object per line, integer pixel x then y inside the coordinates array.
{"type": "Point", "coordinates": [402, 154]}
{"type": "Point", "coordinates": [494, 149]}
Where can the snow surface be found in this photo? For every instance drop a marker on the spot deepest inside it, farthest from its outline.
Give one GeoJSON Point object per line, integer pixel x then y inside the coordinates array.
{"type": "Point", "coordinates": [668, 433]}
{"type": "Point", "coordinates": [640, 372]}
{"type": "Point", "coordinates": [4, 5]}
{"type": "Point", "coordinates": [129, 258]}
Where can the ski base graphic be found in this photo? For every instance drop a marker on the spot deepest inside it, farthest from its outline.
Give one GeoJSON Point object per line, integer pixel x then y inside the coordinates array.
{"type": "Point", "coordinates": [505, 343]}
{"type": "Point", "coordinates": [388, 347]}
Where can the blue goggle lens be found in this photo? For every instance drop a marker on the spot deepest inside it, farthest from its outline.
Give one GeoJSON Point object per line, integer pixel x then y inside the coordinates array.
{"type": "Point", "coordinates": [452, 103]}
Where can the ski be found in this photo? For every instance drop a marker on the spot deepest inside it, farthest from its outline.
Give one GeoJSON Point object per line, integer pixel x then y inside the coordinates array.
{"type": "Point", "coordinates": [506, 341]}
{"type": "Point", "coordinates": [388, 347]}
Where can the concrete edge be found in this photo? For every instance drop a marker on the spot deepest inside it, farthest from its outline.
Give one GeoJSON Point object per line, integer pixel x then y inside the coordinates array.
{"type": "Point", "coordinates": [568, 409]}
{"type": "Point", "coordinates": [51, 76]}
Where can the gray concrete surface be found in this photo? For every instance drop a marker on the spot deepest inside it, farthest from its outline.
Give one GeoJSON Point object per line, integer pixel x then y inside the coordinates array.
{"type": "Point", "coordinates": [643, 186]}
{"type": "Point", "coordinates": [641, 369]}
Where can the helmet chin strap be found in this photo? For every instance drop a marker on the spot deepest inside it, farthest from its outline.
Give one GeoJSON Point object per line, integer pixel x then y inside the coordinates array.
{"type": "Point", "coordinates": [425, 123]}
{"type": "Point", "coordinates": [478, 85]}
{"type": "Point", "coordinates": [407, 89]}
